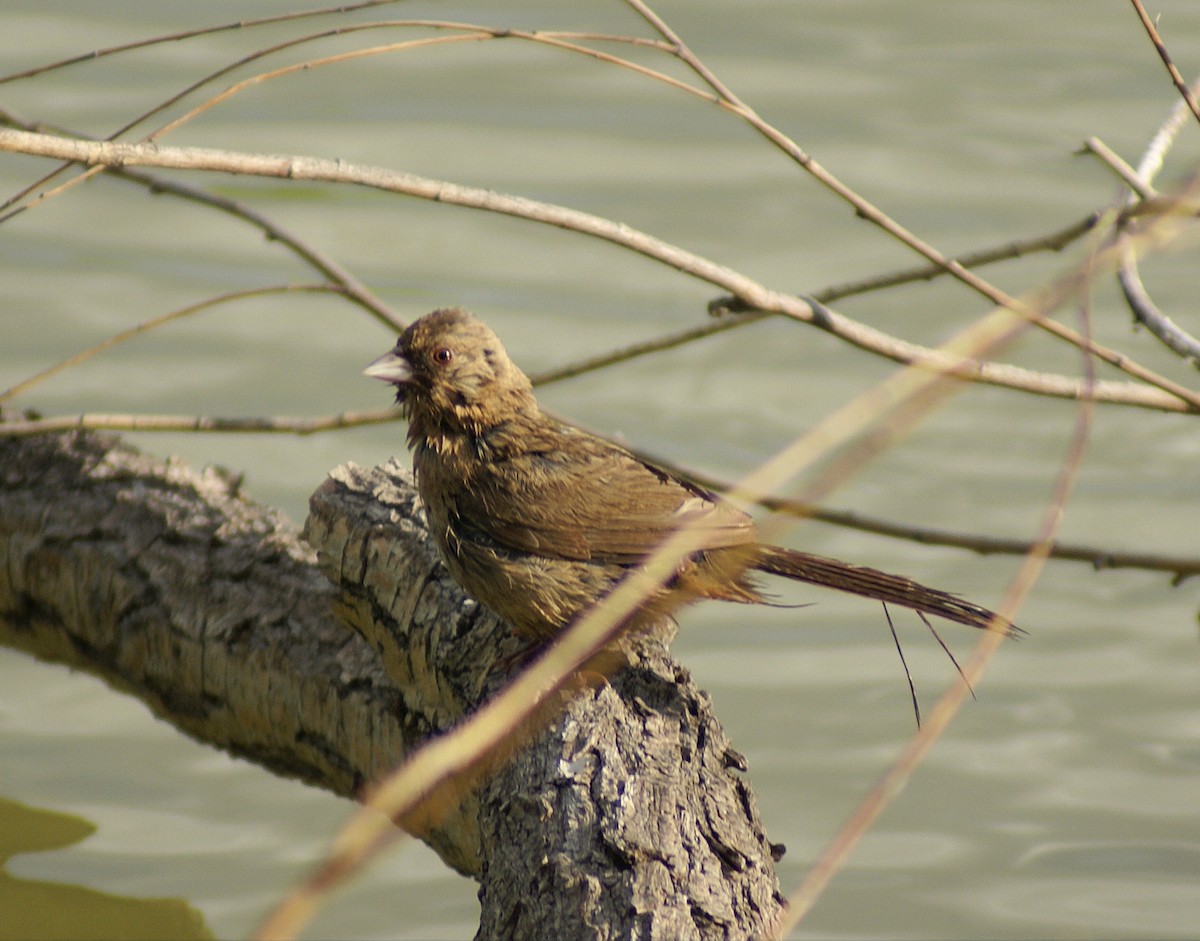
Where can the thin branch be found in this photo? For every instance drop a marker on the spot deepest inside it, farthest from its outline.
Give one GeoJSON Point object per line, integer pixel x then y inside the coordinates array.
{"type": "Point", "coordinates": [154, 322]}
{"type": "Point", "coordinates": [1155, 38]}
{"type": "Point", "coordinates": [1099, 558]}
{"type": "Point", "coordinates": [1123, 170]}
{"type": "Point", "coordinates": [211, 103]}
{"type": "Point", "coordinates": [190, 34]}
{"type": "Point", "coordinates": [1145, 311]}
{"type": "Point", "coordinates": [1166, 330]}
{"type": "Point", "coordinates": [719, 308]}
{"type": "Point", "coordinates": [336, 171]}
{"type": "Point", "coordinates": [1054, 241]}
{"type": "Point", "coordinates": [37, 185]}
{"type": "Point", "coordinates": [668, 341]}
{"type": "Point", "coordinates": [1160, 145]}
{"type": "Point", "coordinates": [278, 424]}
{"type": "Point", "coordinates": [470, 33]}
{"type": "Point", "coordinates": [346, 283]}
{"type": "Point", "coordinates": [876, 216]}
{"type": "Point", "coordinates": [833, 858]}
{"type": "Point", "coordinates": [1168, 396]}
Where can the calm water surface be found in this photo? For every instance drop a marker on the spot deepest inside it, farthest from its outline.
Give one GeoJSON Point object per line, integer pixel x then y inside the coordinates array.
{"type": "Point", "coordinates": [1061, 804]}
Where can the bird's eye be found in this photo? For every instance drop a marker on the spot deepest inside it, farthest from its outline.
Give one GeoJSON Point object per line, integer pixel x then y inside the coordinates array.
{"type": "Point", "coordinates": [442, 355]}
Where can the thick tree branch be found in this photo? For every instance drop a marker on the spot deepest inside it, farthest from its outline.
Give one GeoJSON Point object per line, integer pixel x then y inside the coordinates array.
{"type": "Point", "coordinates": [625, 816]}
{"type": "Point", "coordinates": [209, 608]}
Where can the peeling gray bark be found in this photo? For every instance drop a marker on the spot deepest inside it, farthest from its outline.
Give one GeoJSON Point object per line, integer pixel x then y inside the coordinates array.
{"type": "Point", "coordinates": [625, 816]}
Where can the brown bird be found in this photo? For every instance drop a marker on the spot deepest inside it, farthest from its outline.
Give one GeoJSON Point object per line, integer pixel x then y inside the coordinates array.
{"type": "Point", "coordinates": [538, 520]}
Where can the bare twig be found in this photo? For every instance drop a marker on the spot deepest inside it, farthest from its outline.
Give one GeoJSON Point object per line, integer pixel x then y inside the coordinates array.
{"type": "Point", "coordinates": [38, 184]}
{"type": "Point", "coordinates": [147, 325]}
{"type": "Point", "coordinates": [279, 424]}
{"type": "Point", "coordinates": [336, 171]}
{"type": "Point", "coordinates": [1054, 241]}
{"type": "Point", "coordinates": [1168, 332]}
{"type": "Point", "coordinates": [1155, 38]}
{"type": "Point", "coordinates": [1169, 396]}
{"type": "Point", "coordinates": [343, 280]}
{"type": "Point", "coordinates": [1113, 161]}
{"type": "Point", "coordinates": [897, 776]}
{"type": "Point", "coordinates": [190, 34]}
{"type": "Point", "coordinates": [1145, 311]}
{"type": "Point", "coordinates": [1099, 558]}
{"type": "Point", "coordinates": [873, 214]}
{"type": "Point", "coordinates": [467, 32]}
{"type": "Point", "coordinates": [721, 307]}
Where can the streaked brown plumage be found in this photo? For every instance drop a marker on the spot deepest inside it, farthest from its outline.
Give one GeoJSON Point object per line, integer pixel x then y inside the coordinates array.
{"type": "Point", "coordinates": [538, 520]}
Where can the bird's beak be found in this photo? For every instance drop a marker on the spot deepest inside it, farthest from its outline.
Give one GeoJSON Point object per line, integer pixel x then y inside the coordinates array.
{"type": "Point", "coordinates": [390, 367]}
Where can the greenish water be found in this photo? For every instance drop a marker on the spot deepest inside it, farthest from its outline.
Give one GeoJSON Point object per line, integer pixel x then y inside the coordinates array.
{"type": "Point", "coordinates": [1062, 803]}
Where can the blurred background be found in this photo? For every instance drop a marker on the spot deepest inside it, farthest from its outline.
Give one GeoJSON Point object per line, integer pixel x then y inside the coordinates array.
{"type": "Point", "coordinates": [1060, 804]}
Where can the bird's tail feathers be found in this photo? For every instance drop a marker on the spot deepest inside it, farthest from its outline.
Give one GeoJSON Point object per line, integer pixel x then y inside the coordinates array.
{"type": "Point", "coordinates": [872, 583]}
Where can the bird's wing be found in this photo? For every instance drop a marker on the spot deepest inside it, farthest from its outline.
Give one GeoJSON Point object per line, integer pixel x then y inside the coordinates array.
{"type": "Point", "coordinates": [585, 499]}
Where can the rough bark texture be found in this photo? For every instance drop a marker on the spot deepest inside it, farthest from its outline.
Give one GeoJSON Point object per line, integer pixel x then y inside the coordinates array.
{"type": "Point", "coordinates": [627, 820]}
{"type": "Point", "coordinates": [210, 608]}
{"type": "Point", "coordinates": [624, 817]}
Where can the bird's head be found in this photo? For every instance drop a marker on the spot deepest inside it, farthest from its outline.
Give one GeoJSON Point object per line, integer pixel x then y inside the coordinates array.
{"type": "Point", "coordinates": [451, 371]}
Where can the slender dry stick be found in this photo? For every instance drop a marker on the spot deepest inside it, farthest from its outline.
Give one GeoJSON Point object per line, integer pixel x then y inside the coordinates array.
{"type": "Point", "coordinates": [342, 279]}
{"type": "Point", "coordinates": [37, 185]}
{"type": "Point", "coordinates": [191, 34]}
{"type": "Point", "coordinates": [721, 308]}
{"type": "Point", "coordinates": [1179, 567]}
{"type": "Point", "coordinates": [279, 424]}
{"type": "Point", "coordinates": [472, 32]}
{"type": "Point", "coordinates": [1054, 241]}
{"type": "Point", "coordinates": [727, 99]}
{"type": "Point", "coordinates": [838, 851]}
{"type": "Point", "coordinates": [1167, 396]}
{"type": "Point", "coordinates": [873, 214]}
{"type": "Point", "coordinates": [348, 284]}
{"type": "Point", "coordinates": [1160, 145]}
{"type": "Point", "coordinates": [213, 102]}
{"type": "Point", "coordinates": [1123, 170]}
{"type": "Point", "coordinates": [1160, 325]}
{"type": "Point", "coordinates": [1155, 38]}
{"type": "Point", "coordinates": [147, 325]}
{"type": "Point", "coordinates": [1099, 558]}
{"type": "Point", "coordinates": [828, 320]}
